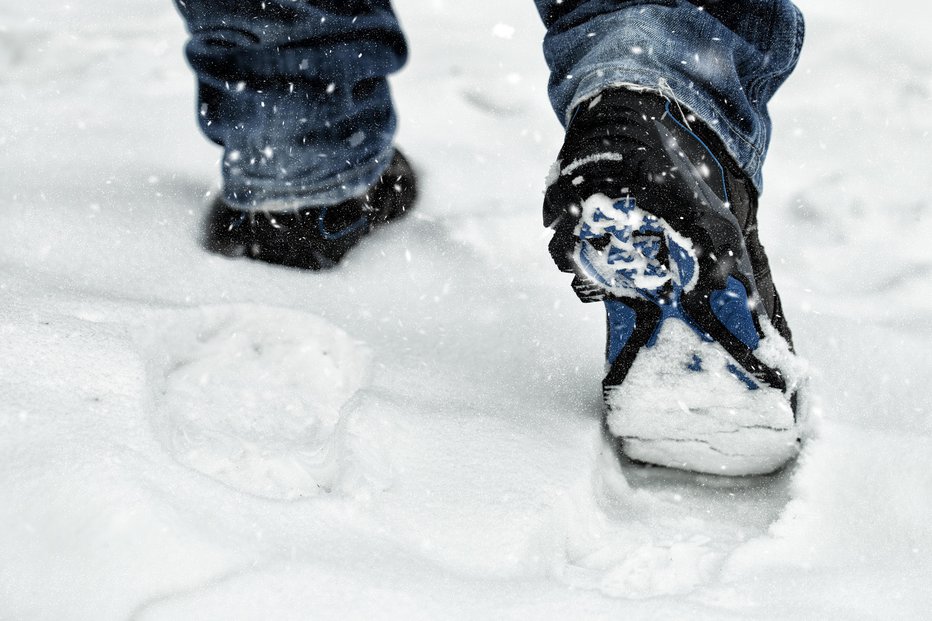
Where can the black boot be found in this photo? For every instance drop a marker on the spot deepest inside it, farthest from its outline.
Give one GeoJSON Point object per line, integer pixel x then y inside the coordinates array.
{"type": "Point", "coordinates": [314, 237]}
{"type": "Point", "coordinates": [655, 218]}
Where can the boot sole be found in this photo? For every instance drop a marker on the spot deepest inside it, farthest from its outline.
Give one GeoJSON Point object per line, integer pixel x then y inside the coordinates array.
{"type": "Point", "coordinates": [674, 395]}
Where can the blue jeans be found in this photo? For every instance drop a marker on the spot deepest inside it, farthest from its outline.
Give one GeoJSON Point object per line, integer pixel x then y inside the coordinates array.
{"type": "Point", "coordinates": [296, 92]}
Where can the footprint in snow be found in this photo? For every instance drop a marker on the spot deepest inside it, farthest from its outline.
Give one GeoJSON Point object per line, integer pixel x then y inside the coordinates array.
{"type": "Point", "coordinates": [261, 399]}
{"type": "Point", "coordinates": [636, 533]}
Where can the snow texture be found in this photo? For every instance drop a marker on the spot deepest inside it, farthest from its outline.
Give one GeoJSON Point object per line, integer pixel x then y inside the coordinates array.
{"type": "Point", "coordinates": [415, 435]}
{"type": "Point", "coordinates": [706, 421]}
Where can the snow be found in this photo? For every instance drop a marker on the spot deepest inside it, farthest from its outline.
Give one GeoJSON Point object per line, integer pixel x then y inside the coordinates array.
{"type": "Point", "coordinates": [233, 398]}
{"type": "Point", "coordinates": [711, 422]}
{"type": "Point", "coordinates": [444, 461]}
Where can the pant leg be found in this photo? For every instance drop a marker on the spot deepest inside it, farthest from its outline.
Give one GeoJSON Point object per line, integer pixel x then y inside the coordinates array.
{"type": "Point", "coordinates": [720, 59]}
{"type": "Point", "coordinates": [296, 93]}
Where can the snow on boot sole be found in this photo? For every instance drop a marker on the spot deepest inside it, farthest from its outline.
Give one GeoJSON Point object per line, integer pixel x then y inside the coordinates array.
{"type": "Point", "coordinates": [680, 399]}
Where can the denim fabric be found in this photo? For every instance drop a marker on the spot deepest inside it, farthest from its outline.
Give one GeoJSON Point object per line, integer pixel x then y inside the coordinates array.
{"type": "Point", "coordinates": [296, 91]}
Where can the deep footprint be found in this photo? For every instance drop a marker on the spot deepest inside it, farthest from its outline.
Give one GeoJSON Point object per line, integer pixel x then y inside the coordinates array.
{"type": "Point", "coordinates": [636, 532]}
{"type": "Point", "coordinates": [252, 395]}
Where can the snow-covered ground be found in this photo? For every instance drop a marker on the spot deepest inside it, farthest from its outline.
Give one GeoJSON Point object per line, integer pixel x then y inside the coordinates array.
{"type": "Point", "coordinates": [415, 435]}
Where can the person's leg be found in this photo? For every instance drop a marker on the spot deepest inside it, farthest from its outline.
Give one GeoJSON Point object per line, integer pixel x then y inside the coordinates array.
{"type": "Point", "coordinates": [722, 59]}
{"type": "Point", "coordinates": [296, 93]}
{"type": "Point", "coordinates": [653, 201]}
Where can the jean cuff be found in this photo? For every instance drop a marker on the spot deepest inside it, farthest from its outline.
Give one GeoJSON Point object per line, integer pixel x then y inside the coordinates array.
{"type": "Point", "coordinates": [264, 194]}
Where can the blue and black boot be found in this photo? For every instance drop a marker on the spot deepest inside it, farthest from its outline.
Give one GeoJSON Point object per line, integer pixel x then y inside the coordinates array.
{"type": "Point", "coordinates": [313, 237]}
{"type": "Point", "coordinates": [658, 222]}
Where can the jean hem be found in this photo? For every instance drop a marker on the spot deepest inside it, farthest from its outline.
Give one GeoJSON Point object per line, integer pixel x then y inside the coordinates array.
{"type": "Point", "coordinates": [278, 195]}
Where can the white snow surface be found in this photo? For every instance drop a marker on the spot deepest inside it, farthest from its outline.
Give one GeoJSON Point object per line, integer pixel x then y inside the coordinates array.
{"type": "Point", "coordinates": [415, 434]}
